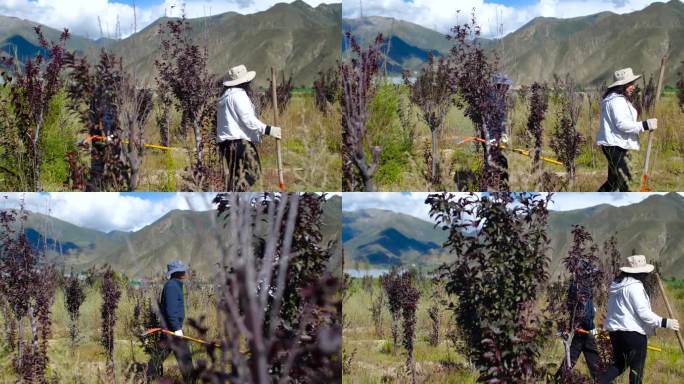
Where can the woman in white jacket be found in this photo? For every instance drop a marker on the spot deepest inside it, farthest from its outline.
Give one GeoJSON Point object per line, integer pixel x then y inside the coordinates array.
{"type": "Point", "coordinates": [619, 129]}
{"type": "Point", "coordinates": [630, 319]}
{"type": "Point", "coordinates": [238, 129]}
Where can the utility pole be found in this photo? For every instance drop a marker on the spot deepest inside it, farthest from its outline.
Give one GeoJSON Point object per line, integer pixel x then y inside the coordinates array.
{"type": "Point", "coordinates": [135, 19]}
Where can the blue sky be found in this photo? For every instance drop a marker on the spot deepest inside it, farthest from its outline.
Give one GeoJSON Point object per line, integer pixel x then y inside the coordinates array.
{"type": "Point", "coordinates": [81, 16]}
{"type": "Point", "coordinates": [412, 203]}
{"type": "Point", "coordinates": [511, 14]}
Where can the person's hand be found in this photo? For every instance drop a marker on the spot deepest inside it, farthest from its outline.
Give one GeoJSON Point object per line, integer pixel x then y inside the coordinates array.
{"type": "Point", "coordinates": [652, 124]}
{"type": "Point", "coordinates": [672, 324]}
{"type": "Point", "coordinates": [275, 132]}
{"type": "Point", "coordinates": [178, 332]}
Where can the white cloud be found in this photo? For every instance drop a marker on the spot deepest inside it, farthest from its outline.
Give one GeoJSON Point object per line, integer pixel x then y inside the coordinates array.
{"type": "Point", "coordinates": [567, 201]}
{"type": "Point", "coordinates": [441, 14]}
{"type": "Point", "coordinates": [107, 211]}
{"type": "Point", "coordinates": [409, 203]}
{"type": "Point", "coordinates": [81, 16]}
{"type": "Point", "coordinates": [414, 203]}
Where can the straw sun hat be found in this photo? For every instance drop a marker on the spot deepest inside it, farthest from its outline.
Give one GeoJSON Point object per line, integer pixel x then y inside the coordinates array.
{"type": "Point", "coordinates": [637, 264]}
{"type": "Point", "coordinates": [623, 76]}
{"type": "Point", "coordinates": [238, 75]}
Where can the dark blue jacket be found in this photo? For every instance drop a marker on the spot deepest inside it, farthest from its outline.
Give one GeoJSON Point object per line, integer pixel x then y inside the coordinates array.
{"type": "Point", "coordinates": [586, 314]}
{"type": "Point", "coordinates": [172, 304]}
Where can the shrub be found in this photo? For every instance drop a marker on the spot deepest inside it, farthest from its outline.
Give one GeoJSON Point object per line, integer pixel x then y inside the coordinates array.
{"type": "Point", "coordinates": [500, 244]}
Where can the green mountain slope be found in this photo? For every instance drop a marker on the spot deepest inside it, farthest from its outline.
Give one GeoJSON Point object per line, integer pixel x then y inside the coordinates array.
{"type": "Point", "coordinates": [384, 238]}
{"type": "Point", "coordinates": [295, 38]}
{"type": "Point", "coordinates": [590, 48]}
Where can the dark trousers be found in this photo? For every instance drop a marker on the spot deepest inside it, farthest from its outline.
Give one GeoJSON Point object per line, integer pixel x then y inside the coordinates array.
{"type": "Point", "coordinates": [242, 164]}
{"type": "Point", "coordinates": [180, 348]}
{"type": "Point", "coordinates": [629, 350]}
{"type": "Point", "coordinates": [617, 170]}
{"type": "Point", "coordinates": [583, 343]}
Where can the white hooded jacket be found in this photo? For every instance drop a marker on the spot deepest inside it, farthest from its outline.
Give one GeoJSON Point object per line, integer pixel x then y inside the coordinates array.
{"type": "Point", "coordinates": [629, 308]}
{"type": "Point", "coordinates": [236, 118]}
{"type": "Point", "coordinates": [618, 125]}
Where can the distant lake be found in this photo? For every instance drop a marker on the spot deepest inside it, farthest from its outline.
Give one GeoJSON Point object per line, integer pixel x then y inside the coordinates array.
{"type": "Point", "coordinates": [373, 272]}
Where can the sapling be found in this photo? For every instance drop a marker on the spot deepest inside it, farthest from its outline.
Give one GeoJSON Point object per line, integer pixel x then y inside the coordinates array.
{"type": "Point", "coordinates": [182, 68]}
{"type": "Point", "coordinates": [434, 314]}
{"type": "Point", "coordinates": [111, 293]}
{"type": "Point", "coordinates": [585, 276]}
{"type": "Point", "coordinates": [326, 89]}
{"type": "Point", "coordinates": [680, 87]}
{"type": "Point", "coordinates": [538, 106]}
{"type": "Point", "coordinates": [473, 75]}
{"type": "Point", "coordinates": [499, 242]}
{"type": "Point", "coordinates": [408, 295]}
{"type": "Point", "coordinates": [281, 316]}
{"type": "Point", "coordinates": [29, 294]}
{"type": "Point", "coordinates": [377, 305]}
{"type": "Point", "coordinates": [31, 89]}
{"type": "Point", "coordinates": [391, 284]}
{"type": "Point", "coordinates": [432, 93]}
{"type": "Point", "coordinates": [95, 95]}
{"type": "Point", "coordinates": [566, 140]}
{"type": "Point", "coordinates": [357, 75]}
{"type": "Point", "coordinates": [283, 94]}
{"type": "Point", "coordinates": [73, 298]}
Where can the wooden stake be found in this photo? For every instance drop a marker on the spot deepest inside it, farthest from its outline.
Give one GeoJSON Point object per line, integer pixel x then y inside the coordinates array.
{"type": "Point", "coordinates": [279, 156]}
{"type": "Point", "coordinates": [669, 310]}
{"type": "Point", "coordinates": [644, 177]}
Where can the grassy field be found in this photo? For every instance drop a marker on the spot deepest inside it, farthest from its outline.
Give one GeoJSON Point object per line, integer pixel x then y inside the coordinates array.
{"type": "Point", "coordinates": [395, 125]}
{"type": "Point", "coordinates": [87, 362]}
{"type": "Point", "coordinates": [371, 358]}
{"type": "Point", "coordinates": [310, 149]}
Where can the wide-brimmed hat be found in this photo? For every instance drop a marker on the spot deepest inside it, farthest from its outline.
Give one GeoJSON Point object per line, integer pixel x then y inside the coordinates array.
{"type": "Point", "coordinates": [239, 75]}
{"type": "Point", "coordinates": [638, 264]}
{"type": "Point", "coordinates": [175, 266]}
{"type": "Point", "coordinates": [623, 76]}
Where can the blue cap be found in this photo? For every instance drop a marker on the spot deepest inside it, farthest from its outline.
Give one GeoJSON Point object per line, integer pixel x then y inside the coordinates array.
{"type": "Point", "coordinates": [502, 79]}
{"type": "Point", "coordinates": [175, 266]}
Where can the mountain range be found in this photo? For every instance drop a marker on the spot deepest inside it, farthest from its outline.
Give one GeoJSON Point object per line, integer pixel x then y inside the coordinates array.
{"type": "Point", "coordinates": [653, 227]}
{"type": "Point", "coordinates": [180, 234]}
{"type": "Point", "coordinates": [590, 47]}
{"type": "Point", "coordinates": [295, 38]}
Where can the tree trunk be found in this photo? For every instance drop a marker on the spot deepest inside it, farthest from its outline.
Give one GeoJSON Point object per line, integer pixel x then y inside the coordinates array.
{"type": "Point", "coordinates": [435, 158]}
